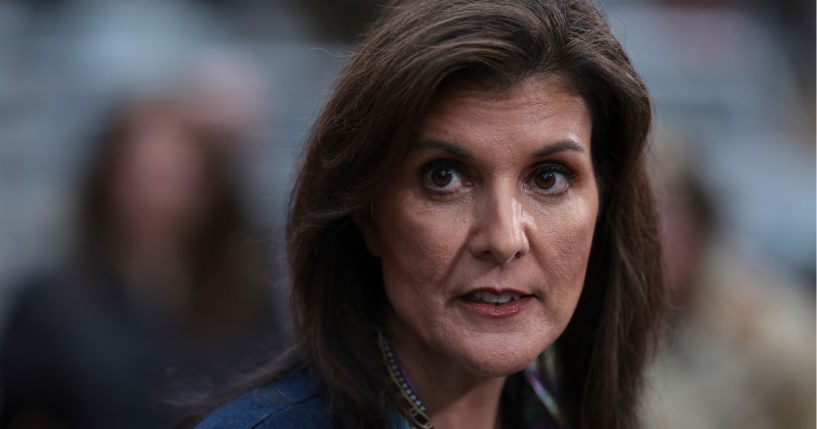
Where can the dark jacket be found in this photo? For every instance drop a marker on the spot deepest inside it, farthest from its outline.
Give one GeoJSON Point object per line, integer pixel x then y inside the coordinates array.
{"type": "Point", "coordinates": [294, 402]}
{"type": "Point", "coordinates": [77, 353]}
{"type": "Point", "coordinates": [290, 403]}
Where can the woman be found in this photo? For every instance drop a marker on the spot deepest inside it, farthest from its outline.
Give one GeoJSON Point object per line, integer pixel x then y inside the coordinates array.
{"type": "Point", "coordinates": [472, 237]}
{"type": "Point", "coordinates": [163, 289]}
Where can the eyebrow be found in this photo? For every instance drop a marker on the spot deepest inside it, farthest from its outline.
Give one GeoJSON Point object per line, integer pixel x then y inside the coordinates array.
{"type": "Point", "coordinates": [559, 146]}
{"type": "Point", "coordinates": [462, 153]}
{"type": "Point", "coordinates": [450, 148]}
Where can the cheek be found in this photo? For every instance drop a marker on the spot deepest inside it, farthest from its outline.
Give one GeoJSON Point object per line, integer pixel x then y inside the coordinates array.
{"type": "Point", "coordinates": [419, 241]}
{"type": "Point", "coordinates": [562, 250]}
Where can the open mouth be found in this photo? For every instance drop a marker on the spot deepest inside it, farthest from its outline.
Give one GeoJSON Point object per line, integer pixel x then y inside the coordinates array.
{"type": "Point", "coordinates": [493, 304]}
{"type": "Point", "coordinates": [494, 298]}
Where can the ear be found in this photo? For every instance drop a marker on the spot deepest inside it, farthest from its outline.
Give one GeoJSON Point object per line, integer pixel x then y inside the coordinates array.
{"type": "Point", "coordinates": [365, 224]}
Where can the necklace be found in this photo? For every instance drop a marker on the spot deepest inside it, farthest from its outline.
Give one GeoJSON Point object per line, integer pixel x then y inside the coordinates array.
{"type": "Point", "coordinates": [417, 411]}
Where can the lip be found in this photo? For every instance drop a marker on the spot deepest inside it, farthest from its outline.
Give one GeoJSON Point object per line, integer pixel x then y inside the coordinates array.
{"type": "Point", "coordinates": [496, 311]}
{"type": "Point", "coordinates": [495, 291]}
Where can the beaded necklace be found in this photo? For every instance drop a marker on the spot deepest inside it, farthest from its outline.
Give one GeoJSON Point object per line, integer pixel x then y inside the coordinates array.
{"type": "Point", "coordinates": [417, 411]}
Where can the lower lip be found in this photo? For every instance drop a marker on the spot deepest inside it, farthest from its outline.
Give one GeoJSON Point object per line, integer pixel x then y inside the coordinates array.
{"type": "Point", "coordinates": [497, 311]}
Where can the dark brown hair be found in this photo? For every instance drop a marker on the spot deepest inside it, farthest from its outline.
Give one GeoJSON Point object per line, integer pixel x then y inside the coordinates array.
{"type": "Point", "coordinates": [412, 52]}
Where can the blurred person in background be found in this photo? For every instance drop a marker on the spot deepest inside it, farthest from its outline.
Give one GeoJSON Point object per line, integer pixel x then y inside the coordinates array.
{"type": "Point", "coordinates": [739, 350]}
{"type": "Point", "coordinates": [165, 291]}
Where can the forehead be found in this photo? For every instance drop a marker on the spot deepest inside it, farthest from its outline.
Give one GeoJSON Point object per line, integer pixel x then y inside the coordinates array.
{"type": "Point", "coordinates": [538, 110]}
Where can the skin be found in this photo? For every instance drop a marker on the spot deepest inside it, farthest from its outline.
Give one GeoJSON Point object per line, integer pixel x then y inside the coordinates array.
{"type": "Point", "coordinates": [491, 225]}
{"type": "Point", "coordinates": [159, 187]}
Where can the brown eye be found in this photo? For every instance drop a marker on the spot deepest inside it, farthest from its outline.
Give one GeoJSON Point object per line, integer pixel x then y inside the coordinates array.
{"type": "Point", "coordinates": [545, 180]}
{"type": "Point", "coordinates": [551, 180]}
{"type": "Point", "coordinates": [441, 177]}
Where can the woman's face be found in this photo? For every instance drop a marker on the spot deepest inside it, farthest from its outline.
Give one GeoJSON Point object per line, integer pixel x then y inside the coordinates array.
{"type": "Point", "coordinates": [159, 189]}
{"type": "Point", "coordinates": [484, 231]}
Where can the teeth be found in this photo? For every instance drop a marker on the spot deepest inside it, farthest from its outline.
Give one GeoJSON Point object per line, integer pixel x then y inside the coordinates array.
{"type": "Point", "coordinates": [490, 298]}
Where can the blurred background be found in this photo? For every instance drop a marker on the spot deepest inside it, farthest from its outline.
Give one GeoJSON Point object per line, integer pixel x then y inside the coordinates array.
{"type": "Point", "coordinates": [135, 133]}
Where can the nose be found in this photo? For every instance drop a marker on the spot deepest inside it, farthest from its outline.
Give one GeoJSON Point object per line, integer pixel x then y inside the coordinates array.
{"type": "Point", "coordinates": [501, 228]}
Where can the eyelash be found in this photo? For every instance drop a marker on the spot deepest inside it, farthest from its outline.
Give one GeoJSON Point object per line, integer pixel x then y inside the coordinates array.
{"type": "Point", "coordinates": [566, 173]}
{"type": "Point", "coordinates": [440, 165]}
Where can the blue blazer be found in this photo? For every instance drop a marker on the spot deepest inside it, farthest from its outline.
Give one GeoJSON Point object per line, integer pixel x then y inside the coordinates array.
{"type": "Point", "coordinates": [289, 403]}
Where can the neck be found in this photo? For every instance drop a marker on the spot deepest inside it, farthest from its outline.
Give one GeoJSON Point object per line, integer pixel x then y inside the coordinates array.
{"type": "Point", "coordinates": [455, 397]}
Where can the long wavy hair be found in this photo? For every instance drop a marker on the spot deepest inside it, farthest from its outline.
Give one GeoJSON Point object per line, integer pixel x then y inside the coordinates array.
{"type": "Point", "coordinates": [413, 51]}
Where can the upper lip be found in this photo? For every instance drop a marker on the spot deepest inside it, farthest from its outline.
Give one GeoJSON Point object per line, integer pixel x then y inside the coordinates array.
{"type": "Point", "coordinates": [495, 291]}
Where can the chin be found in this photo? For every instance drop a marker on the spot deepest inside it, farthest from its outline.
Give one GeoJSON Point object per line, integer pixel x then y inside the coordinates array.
{"type": "Point", "coordinates": [497, 355]}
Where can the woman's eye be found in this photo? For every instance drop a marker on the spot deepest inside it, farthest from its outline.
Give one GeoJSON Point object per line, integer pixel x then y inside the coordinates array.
{"type": "Point", "coordinates": [551, 180]}
{"type": "Point", "coordinates": [442, 178]}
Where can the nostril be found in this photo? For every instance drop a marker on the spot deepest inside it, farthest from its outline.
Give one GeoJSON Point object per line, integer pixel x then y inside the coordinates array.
{"type": "Point", "coordinates": [500, 254]}
{"type": "Point", "coordinates": [515, 255]}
